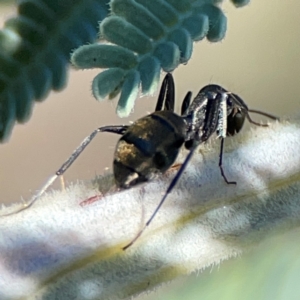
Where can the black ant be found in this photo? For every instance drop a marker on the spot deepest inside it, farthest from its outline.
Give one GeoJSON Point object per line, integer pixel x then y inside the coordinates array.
{"type": "Point", "coordinates": [150, 146]}
{"type": "Point", "coordinates": [213, 110]}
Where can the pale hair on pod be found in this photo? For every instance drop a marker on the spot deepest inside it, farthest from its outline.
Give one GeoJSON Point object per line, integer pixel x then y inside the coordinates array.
{"type": "Point", "coordinates": [60, 250]}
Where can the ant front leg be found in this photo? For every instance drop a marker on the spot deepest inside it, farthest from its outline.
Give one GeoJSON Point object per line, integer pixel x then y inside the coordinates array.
{"type": "Point", "coordinates": [220, 164]}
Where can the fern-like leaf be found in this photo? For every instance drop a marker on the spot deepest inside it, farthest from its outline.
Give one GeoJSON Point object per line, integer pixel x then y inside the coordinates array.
{"type": "Point", "coordinates": [148, 36]}
{"type": "Point", "coordinates": [35, 48]}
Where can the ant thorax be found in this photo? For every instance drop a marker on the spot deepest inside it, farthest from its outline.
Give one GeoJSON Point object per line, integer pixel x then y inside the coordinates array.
{"type": "Point", "coordinates": [206, 115]}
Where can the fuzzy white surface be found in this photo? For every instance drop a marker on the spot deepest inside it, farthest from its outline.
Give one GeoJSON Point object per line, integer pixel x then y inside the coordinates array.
{"type": "Point", "coordinates": [59, 250]}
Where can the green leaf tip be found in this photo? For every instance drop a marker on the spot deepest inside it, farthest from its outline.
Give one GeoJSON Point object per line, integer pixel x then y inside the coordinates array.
{"type": "Point", "coordinates": [103, 56]}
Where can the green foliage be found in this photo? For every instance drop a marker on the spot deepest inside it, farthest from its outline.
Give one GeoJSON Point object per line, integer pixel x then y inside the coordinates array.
{"type": "Point", "coordinates": [35, 49]}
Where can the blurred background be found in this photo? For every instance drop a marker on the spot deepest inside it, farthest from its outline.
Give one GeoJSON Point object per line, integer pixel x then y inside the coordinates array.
{"type": "Point", "coordinates": [258, 59]}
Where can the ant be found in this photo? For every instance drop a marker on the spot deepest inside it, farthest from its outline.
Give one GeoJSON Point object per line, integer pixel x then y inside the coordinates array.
{"type": "Point", "coordinates": [213, 110]}
{"type": "Point", "coordinates": [150, 146]}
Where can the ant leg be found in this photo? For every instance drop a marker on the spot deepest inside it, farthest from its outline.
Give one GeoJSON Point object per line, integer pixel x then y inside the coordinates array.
{"type": "Point", "coordinates": [175, 167]}
{"type": "Point", "coordinates": [166, 94]}
{"type": "Point", "coordinates": [90, 200]}
{"type": "Point", "coordinates": [118, 129]}
{"type": "Point", "coordinates": [220, 164]}
{"type": "Point", "coordinates": [169, 190]}
{"type": "Point", "coordinates": [62, 183]}
{"type": "Point", "coordinates": [186, 103]}
{"type": "Point", "coordinates": [260, 113]}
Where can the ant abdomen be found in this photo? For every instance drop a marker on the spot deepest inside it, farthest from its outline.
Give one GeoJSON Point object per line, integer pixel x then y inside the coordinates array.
{"type": "Point", "coordinates": [148, 148]}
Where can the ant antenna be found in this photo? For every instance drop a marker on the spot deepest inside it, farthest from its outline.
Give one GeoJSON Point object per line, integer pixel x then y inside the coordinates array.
{"type": "Point", "coordinates": [255, 111]}
{"type": "Point", "coordinates": [260, 113]}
